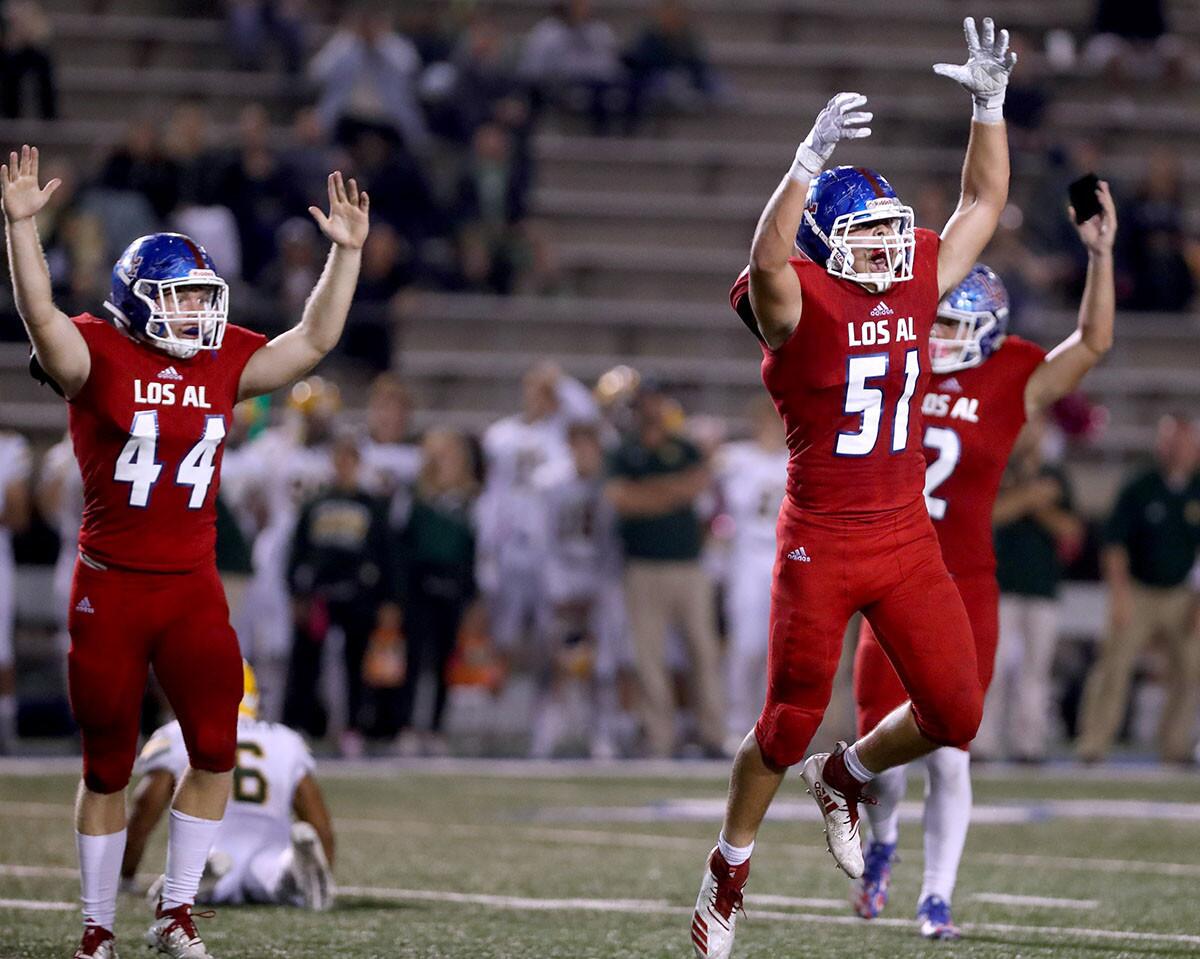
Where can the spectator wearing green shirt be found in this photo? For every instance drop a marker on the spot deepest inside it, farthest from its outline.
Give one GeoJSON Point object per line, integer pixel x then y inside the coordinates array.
{"type": "Point", "coordinates": [1151, 540]}
{"type": "Point", "coordinates": [655, 477]}
{"type": "Point", "coordinates": [1034, 527]}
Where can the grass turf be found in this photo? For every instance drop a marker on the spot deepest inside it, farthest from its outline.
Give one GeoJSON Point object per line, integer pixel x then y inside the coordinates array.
{"type": "Point", "coordinates": [504, 835]}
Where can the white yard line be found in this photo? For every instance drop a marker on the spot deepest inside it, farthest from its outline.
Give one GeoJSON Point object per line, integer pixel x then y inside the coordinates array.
{"type": "Point", "coordinates": [37, 905]}
{"type": "Point", "coordinates": [659, 907]}
{"type": "Point", "coordinates": [39, 872]}
{"type": "Point", "coordinates": [1034, 902]}
{"type": "Point", "coordinates": [757, 899]}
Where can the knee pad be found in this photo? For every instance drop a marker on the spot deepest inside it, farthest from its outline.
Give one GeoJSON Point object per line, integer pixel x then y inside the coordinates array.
{"type": "Point", "coordinates": [106, 767]}
{"type": "Point", "coordinates": [212, 747]}
{"type": "Point", "coordinates": [783, 732]}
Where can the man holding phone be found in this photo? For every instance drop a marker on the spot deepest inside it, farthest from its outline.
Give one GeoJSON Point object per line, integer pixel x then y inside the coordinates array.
{"type": "Point", "coordinates": [985, 386]}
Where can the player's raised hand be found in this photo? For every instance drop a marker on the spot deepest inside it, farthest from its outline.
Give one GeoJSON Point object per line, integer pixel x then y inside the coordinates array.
{"type": "Point", "coordinates": [840, 120]}
{"type": "Point", "coordinates": [1099, 232]}
{"type": "Point", "coordinates": [347, 222]}
{"type": "Point", "coordinates": [21, 195]}
{"type": "Point", "coordinates": [989, 62]}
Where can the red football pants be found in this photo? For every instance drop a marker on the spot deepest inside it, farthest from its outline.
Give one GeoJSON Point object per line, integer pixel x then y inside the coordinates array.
{"type": "Point", "coordinates": [123, 622]}
{"type": "Point", "coordinates": [891, 568]}
{"type": "Point", "coordinates": [877, 688]}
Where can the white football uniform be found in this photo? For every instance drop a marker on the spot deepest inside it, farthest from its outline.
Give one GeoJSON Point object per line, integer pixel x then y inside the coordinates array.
{"type": "Point", "coordinates": [508, 516]}
{"type": "Point", "coordinates": [256, 830]}
{"type": "Point", "coordinates": [752, 482]}
{"type": "Point", "coordinates": [15, 467]}
{"type": "Point", "coordinates": [581, 558]}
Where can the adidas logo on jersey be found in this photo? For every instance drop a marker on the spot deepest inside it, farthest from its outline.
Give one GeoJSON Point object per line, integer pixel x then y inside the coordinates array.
{"type": "Point", "coordinates": [85, 606]}
{"type": "Point", "coordinates": [882, 309]}
{"type": "Point", "coordinates": [170, 373]}
{"type": "Point", "coordinates": [951, 385]}
{"type": "Point", "coordinates": [800, 555]}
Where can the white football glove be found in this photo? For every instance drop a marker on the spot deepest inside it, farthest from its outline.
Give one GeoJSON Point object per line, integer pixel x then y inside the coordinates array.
{"type": "Point", "coordinates": [836, 122]}
{"type": "Point", "coordinates": [985, 74]}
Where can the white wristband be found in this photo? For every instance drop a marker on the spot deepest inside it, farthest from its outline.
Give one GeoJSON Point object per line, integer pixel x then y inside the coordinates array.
{"type": "Point", "coordinates": [807, 165]}
{"type": "Point", "coordinates": [989, 110]}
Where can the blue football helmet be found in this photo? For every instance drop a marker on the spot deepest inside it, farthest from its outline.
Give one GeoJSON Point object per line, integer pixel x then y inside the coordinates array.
{"type": "Point", "coordinates": [978, 310]}
{"type": "Point", "coordinates": [146, 285]}
{"type": "Point", "coordinates": [847, 198]}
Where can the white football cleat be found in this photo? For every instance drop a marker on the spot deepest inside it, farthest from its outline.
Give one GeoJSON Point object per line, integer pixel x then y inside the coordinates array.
{"type": "Point", "coordinates": [98, 943]}
{"type": "Point", "coordinates": [173, 933]}
{"type": "Point", "coordinates": [840, 812]}
{"type": "Point", "coordinates": [307, 879]}
{"type": "Point", "coordinates": [717, 906]}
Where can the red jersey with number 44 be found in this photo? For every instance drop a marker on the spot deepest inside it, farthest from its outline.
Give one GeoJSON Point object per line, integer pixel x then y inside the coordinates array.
{"type": "Point", "coordinates": [148, 431]}
{"type": "Point", "coordinates": [848, 383]}
{"type": "Point", "coordinates": [972, 418]}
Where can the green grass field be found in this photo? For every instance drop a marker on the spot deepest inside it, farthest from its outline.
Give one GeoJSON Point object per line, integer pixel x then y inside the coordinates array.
{"type": "Point", "coordinates": [478, 861]}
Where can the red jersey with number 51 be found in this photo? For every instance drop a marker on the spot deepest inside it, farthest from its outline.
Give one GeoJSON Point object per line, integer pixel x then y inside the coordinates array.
{"type": "Point", "coordinates": [848, 383]}
{"type": "Point", "coordinates": [972, 418]}
{"type": "Point", "coordinates": [148, 431]}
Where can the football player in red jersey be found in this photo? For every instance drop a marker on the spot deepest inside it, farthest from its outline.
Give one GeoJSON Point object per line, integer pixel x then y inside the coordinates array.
{"type": "Point", "coordinates": [985, 385]}
{"type": "Point", "coordinates": [845, 339]}
{"type": "Point", "coordinates": [150, 396]}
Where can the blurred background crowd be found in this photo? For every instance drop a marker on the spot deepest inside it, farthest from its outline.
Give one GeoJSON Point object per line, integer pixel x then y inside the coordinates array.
{"type": "Point", "coordinates": [527, 508]}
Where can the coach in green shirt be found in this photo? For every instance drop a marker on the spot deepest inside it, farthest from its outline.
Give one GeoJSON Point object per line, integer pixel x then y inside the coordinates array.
{"type": "Point", "coordinates": [1150, 545]}
{"type": "Point", "coordinates": [654, 478]}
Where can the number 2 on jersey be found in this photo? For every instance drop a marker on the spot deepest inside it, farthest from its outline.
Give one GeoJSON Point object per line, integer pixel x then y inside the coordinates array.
{"type": "Point", "coordinates": [137, 466]}
{"type": "Point", "coordinates": [949, 449]}
{"type": "Point", "coordinates": [868, 401]}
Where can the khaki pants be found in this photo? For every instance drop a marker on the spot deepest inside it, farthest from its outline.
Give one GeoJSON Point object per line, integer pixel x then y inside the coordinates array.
{"type": "Point", "coordinates": [1165, 613]}
{"type": "Point", "coordinates": [680, 594]}
{"type": "Point", "coordinates": [1016, 712]}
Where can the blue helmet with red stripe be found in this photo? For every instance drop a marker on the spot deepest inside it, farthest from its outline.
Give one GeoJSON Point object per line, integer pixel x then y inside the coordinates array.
{"type": "Point", "coordinates": [842, 202]}
{"type": "Point", "coordinates": [166, 292]}
{"type": "Point", "coordinates": [977, 310]}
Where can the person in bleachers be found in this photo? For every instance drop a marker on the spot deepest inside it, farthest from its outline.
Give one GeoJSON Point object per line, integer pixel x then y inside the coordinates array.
{"type": "Point", "coordinates": [25, 35]}
{"type": "Point", "coordinates": [254, 25]}
{"type": "Point", "coordinates": [391, 456]}
{"type": "Point", "coordinates": [1134, 39]}
{"type": "Point", "coordinates": [1156, 244]}
{"type": "Point", "coordinates": [1151, 540]}
{"type": "Point", "coordinates": [668, 45]}
{"type": "Point", "coordinates": [367, 75]}
{"type": "Point", "coordinates": [571, 58]}
{"type": "Point", "coordinates": [341, 570]}
{"type": "Point", "coordinates": [15, 505]}
{"type": "Point", "coordinates": [139, 163]}
{"type": "Point", "coordinates": [1035, 530]}
{"type": "Point", "coordinates": [655, 476]}
{"type": "Point", "coordinates": [438, 554]}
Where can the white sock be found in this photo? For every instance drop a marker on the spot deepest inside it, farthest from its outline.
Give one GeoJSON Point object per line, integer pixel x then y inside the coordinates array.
{"type": "Point", "coordinates": [888, 789]}
{"type": "Point", "coordinates": [734, 855]}
{"type": "Point", "coordinates": [8, 718]}
{"type": "Point", "coordinates": [189, 840]}
{"type": "Point", "coordinates": [855, 767]}
{"type": "Point", "coordinates": [99, 876]}
{"type": "Point", "coordinates": [947, 815]}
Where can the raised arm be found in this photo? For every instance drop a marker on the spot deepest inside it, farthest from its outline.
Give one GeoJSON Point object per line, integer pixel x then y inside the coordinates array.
{"type": "Point", "coordinates": [61, 349]}
{"type": "Point", "coordinates": [1068, 362]}
{"type": "Point", "coordinates": [985, 169]}
{"type": "Point", "coordinates": [292, 354]}
{"type": "Point", "coordinates": [774, 287]}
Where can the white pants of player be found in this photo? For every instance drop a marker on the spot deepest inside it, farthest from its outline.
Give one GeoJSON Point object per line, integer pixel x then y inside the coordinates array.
{"type": "Point", "coordinates": [514, 606]}
{"type": "Point", "coordinates": [748, 617]}
{"type": "Point", "coordinates": [255, 876]}
{"type": "Point", "coordinates": [1016, 712]}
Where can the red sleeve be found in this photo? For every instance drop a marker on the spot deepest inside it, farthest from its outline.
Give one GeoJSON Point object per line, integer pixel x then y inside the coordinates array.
{"type": "Point", "coordinates": [1023, 358]}
{"type": "Point", "coordinates": [925, 258]}
{"type": "Point", "coordinates": [97, 334]}
{"type": "Point", "coordinates": [240, 344]}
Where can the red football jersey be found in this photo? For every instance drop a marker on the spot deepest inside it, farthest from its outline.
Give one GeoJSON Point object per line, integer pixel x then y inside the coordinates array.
{"type": "Point", "coordinates": [147, 430]}
{"type": "Point", "coordinates": [972, 418]}
{"type": "Point", "coordinates": [848, 383]}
